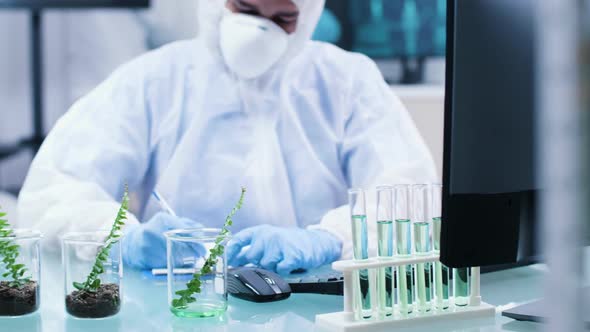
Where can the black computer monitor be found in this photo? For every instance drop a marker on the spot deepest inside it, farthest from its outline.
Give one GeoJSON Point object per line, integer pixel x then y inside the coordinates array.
{"type": "Point", "coordinates": [489, 183]}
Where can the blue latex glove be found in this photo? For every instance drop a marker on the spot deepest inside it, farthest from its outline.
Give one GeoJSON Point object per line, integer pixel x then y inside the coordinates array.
{"type": "Point", "coordinates": [144, 245]}
{"type": "Point", "coordinates": [283, 249]}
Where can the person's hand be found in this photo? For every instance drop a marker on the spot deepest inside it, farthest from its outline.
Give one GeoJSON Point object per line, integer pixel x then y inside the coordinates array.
{"type": "Point", "coordinates": [283, 249]}
{"type": "Point", "coordinates": [144, 245]}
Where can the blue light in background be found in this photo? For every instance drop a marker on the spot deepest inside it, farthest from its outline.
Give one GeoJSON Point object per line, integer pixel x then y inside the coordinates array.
{"type": "Point", "coordinates": [329, 28]}
{"type": "Point", "coordinates": [387, 28]}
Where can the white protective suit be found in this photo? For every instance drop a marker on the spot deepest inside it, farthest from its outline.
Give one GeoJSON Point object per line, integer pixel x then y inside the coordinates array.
{"type": "Point", "coordinates": [320, 121]}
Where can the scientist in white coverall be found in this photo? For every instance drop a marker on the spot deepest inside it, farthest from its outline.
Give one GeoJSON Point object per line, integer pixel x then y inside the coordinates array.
{"type": "Point", "coordinates": [252, 101]}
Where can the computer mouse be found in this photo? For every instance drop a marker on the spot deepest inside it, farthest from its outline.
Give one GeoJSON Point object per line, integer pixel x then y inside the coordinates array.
{"type": "Point", "coordinates": [257, 285]}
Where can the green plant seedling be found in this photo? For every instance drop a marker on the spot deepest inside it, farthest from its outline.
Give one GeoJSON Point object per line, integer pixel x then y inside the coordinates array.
{"type": "Point", "coordinates": [194, 285]}
{"type": "Point", "coordinates": [9, 252]}
{"type": "Point", "coordinates": [93, 282]}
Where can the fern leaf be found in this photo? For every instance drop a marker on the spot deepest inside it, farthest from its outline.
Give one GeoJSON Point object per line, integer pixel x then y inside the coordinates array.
{"type": "Point", "coordinates": [92, 282]}
{"type": "Point", "coordinates": [194, 285]}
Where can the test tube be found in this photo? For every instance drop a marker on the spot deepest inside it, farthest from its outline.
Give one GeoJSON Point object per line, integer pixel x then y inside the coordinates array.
{"type": "Point", "coordinates": [421, 224]}
{"type": "Point", "coordinates": [405, 286]}
{"type": "Point", "coordinates": [385, 248]}
{"type": "Point", "coordinates": [441, 272]}
{"type": "Point", "coordinates": [358, 216]}
{"type": "Point", "coordinates": [461, 286]}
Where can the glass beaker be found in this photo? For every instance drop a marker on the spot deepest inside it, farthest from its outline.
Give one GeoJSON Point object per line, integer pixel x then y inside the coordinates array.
{"type": "Point", "coordinates": [20, 272]}
{"type": "Point", "coordinates": [84, 296]}
{"type": "Point", "coordinates": [189, 255]}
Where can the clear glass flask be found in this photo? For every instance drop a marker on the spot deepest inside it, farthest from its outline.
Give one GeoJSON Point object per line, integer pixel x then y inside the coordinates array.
{"type": "Point", "coordinates": [358, 217]}
{"type": "Point", "coordinates": [385, 284]}
{"type": "Point", "coordinates": [405, 284]}
{"type": "Point", "coordinates": [187, 253]}
{"type": "Point", "coordinates": [441, 272]}
{"type": "Point", "coordinates": [79, 257]}
{"type": "Point", "coordinates": [422, 245]}
{"type": "Point", "coordinates": [19, 294]}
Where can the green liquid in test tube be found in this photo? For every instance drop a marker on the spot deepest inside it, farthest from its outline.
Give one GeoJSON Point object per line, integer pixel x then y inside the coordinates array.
{"type": "Point", "coordinates": [421, 200]}
{"type": "Point", "coordinates": [362, 297]}
{"type": "Point", "coordinates": [423, 282]}
{"type": "Point", "coordinates": [386, 299]}
{"type": "Point", "coordinates": [404, 272]}
{"type": "Point", "coordinates": [385, 249]}
{"type": "Point", "coordinates": [359, 233]}
{"type": "Point", "coordinates": [441, 272]}
{"type": "Point", "coordinates": [461, 286]}
{"type": "Point", "coordinates": [405, 285]}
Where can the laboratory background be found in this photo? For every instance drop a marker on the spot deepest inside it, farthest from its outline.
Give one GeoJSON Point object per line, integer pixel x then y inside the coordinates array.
{"type": "Point", "coordinates": [81, 47]}
{"type": "Point", "coordinates": [52, 53]}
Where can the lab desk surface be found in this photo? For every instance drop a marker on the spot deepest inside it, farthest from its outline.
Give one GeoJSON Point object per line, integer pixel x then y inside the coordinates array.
{"type": "Point", "coordinates": [145, 307]}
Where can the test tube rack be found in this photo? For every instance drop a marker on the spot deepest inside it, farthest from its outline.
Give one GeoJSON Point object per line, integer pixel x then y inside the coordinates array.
{"type": "Point", "coordinates": [345, 322]}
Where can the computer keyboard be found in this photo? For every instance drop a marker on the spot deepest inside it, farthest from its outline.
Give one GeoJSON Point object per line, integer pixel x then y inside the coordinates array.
{"type": "Point", "coordinates": [323, 281]}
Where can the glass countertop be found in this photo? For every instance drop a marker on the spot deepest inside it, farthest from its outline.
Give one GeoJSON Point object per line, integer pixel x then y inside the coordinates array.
{"type": "Point", "coordinates": [145, 307]}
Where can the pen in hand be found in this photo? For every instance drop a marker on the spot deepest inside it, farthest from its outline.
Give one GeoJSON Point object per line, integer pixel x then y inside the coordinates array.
{"type": "Point", "coordinates": [163, 203]}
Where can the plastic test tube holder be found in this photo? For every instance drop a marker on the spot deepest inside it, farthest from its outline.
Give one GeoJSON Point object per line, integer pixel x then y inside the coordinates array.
{"type": "Point", "coordinates": [344, 321]}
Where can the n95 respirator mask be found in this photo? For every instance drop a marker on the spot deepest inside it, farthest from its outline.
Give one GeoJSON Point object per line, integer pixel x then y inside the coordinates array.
{"type": "Point", "coordinates": [251, 45]}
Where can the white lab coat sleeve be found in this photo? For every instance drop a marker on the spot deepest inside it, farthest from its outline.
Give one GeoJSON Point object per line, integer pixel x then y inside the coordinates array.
{"type": "Point", "coordinates": [76, 181]}
{"type": "Point", "coordinates": [381, 145]}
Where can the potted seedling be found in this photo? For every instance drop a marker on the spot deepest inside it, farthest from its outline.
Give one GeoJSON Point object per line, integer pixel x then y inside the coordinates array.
{"type": "Point", "coordinates": [205, 294]}
{"type": "Point", "coordinates": [19, 270]}
{"type": "Point", "coordinates": [99, 295]}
